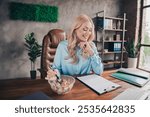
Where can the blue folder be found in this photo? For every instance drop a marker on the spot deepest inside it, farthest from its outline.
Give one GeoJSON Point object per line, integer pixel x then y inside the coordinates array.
{"type": "Point", "coordinates": [136, 80]}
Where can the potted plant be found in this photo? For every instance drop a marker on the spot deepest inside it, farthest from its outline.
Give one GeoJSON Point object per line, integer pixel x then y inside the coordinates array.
{"type": "Point", "coordinates": [34, 51]}
{"type": "Point", "coordinates": [133, 52]}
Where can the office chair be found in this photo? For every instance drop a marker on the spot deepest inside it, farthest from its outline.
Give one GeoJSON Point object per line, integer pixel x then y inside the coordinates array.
{"type": "Point", "coordinates": [49, 45]}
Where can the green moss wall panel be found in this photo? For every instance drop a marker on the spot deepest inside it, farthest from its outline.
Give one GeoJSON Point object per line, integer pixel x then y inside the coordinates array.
{"type": "Point", "coordinates": [33, 12]}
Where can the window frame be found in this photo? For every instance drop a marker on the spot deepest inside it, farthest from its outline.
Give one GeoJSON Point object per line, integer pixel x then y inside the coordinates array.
{"type": "Point", "coordinates": [140, 31]}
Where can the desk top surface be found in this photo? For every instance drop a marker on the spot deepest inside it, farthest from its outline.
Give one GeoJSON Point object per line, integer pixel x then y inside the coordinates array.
{"type": "Point", "coordinates": [17, 88]}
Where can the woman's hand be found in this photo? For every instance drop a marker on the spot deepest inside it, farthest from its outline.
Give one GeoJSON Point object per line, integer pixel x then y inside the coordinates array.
{"type": "Point", "coordinates": [85, 46]}
{"type": "Point", "coordinates": [51, 75]}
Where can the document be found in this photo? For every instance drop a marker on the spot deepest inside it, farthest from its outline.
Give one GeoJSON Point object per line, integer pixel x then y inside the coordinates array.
{"type": "Point", "coordinates": [98, 84]}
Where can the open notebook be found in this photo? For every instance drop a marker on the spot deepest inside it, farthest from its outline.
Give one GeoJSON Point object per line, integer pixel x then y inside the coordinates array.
{"type": "Point", "coordinates": [98, 84]}
{"type": "Point", "coordinates": [133, 76]}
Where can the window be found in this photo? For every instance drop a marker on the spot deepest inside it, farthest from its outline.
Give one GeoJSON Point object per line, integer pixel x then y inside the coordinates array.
{"type": "Point", "coordinates": [146, 2]}
{"type": "Point", "coordinates": [144, 58]}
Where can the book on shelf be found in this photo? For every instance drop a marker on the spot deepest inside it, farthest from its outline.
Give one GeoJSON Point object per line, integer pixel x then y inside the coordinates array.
{"type": "Point", "coordinates": [116, 46]}
{"type": "Point", "coordinates": [108, 24]}
{"type": "Point", "coordinates": [104, 23]}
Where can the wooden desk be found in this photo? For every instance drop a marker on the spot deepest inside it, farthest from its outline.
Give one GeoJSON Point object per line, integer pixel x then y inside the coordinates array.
{"type": "Point", "coordinates": [16, 88]}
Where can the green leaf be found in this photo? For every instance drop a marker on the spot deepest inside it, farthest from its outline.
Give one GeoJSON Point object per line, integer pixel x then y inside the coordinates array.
{"type": "Point", "coordinates": [132, 49]}
{"type": "Point", "coordinates": [32, 46]}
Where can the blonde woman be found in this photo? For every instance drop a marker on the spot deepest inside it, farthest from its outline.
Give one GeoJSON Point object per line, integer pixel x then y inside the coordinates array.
{"type": "Point", "coordinates": [78, 54]}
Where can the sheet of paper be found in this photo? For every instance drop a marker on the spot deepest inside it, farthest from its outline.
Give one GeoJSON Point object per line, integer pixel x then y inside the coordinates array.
{"type": "Point", "coordinates": [97, 83]}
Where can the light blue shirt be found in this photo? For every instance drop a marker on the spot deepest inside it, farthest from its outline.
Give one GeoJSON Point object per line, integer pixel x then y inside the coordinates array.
{"type": "Point", "coordinates": [84, 66]}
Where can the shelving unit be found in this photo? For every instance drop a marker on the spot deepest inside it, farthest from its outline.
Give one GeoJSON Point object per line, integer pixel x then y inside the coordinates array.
{"type": "Point", "coordinates": [111, 38]}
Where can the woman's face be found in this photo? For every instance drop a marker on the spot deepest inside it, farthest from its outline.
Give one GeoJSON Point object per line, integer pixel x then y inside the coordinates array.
{"type": "Point", "coordinates": [84, 32]}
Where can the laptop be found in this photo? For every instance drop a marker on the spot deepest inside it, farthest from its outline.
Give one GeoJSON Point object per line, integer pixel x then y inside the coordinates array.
{"type": "Point", "coordinates": [133, 94]}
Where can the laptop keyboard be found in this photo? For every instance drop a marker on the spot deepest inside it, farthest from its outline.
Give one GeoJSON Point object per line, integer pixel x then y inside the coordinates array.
{"type": "Point", "coordinates": [133, 94]}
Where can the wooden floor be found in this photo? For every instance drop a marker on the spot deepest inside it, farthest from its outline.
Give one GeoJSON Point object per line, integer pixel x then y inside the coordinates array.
{"type": "Point", "coordinates": [17, 88]}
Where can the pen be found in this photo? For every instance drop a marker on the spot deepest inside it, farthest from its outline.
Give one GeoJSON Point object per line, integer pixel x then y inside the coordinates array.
{"type": "Point", "coordinates": [58, 78]}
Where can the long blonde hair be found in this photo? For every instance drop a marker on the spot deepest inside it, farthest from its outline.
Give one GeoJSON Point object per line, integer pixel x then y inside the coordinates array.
{"type": "Point", "coordinates": [72, 38]}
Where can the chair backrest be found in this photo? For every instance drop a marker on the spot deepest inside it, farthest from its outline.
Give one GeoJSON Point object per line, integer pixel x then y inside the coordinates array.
{"type": "Point", "coordinates": [49, 45]}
